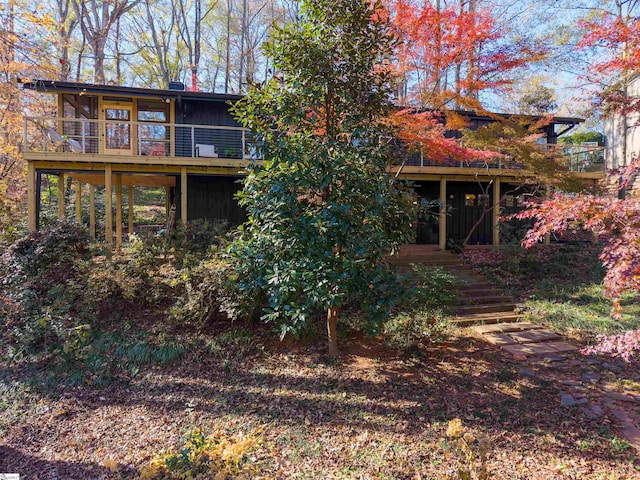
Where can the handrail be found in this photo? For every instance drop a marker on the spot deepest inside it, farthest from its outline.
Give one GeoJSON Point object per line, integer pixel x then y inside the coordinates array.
{"type": "Point", "coordinates": [81, 136]}
{"type": "Point", "coordinates": [138, 138]}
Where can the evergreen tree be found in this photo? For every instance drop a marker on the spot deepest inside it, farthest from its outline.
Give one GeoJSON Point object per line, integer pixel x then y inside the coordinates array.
{"type": "Point", "coordinates": [322, 209]}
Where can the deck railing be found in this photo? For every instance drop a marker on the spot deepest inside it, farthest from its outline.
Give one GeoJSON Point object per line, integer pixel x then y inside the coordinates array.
{"type": "Point", "coordinates": [577, 159]}
{"type": "Point", "coordinates": [118, 137]}
{"type": "Point", "coordinates": [80, 136]}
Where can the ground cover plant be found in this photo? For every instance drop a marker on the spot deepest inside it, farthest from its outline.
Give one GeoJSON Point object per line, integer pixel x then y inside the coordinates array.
{"type": "Point", "coordinates": [372, 414]}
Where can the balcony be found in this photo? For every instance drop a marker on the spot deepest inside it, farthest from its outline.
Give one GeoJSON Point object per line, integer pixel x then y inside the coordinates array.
{"type": "Point", "coordinates": [124, 141]}
{"type": "Point", "coordinates": [579, 159]}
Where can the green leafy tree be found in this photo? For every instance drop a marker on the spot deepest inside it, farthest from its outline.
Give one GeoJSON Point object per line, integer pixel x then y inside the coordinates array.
{"type": "Point", "coordinates": [322, 210]}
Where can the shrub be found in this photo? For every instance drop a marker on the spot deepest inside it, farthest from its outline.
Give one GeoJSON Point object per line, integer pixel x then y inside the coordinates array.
{"type": "Point", "coordinates": [625, 345]}
{"type": "Point", "coordinates": [470, 452]}
{"type": "Point", "coordinates": [410, 331]}
{"type": "Point", "coordinates": [431, 288]}
{"type": "Point", "coordinates": [216, 456]}
{"type": "Point", "coordinates": [207, 291]}
{"type": "Point", "coordinates": [46, 300]}
{"type": "Point", "coordinates": [430, 293]}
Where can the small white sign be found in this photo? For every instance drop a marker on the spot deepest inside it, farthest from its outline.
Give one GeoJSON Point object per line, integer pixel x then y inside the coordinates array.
{"type": "Point", "coordinates": [9, 476]}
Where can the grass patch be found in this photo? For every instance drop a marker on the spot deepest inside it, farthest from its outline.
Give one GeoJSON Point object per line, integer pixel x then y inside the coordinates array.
{"type": "Point", "coordinates": [560, 286]}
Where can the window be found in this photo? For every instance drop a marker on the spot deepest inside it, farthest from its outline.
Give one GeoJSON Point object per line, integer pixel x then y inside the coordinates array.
{"type": "Point", "coordinates": [509, 201]}
{"type": "Point", "coordinates": [469, 199]}
{"type": "Point", "coordinates": [153, 136]}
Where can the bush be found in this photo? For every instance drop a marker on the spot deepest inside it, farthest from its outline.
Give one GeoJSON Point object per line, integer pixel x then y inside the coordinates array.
{"type": "Point", "coordinates": [45, 290]}
{"type": "Point", "coordinates": [431, 288]}
{"type": "Point", "coordinates": [216, 456]}
{"type": "Point", "coordinates": [430, 293]}
{"type": "Point", "coordinates": [413, 330]}
{"type": "Point", "coordinates": [207, 291]}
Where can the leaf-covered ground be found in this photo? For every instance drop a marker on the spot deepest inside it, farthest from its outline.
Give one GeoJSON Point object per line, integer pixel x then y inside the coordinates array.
{"type": "Point", "coordinates": [372, 414]}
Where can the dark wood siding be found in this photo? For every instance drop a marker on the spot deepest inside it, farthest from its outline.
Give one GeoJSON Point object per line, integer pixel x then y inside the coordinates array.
{"type": "Point", "coordinates": [513, 197]}
{"type": "Point", "coordinates": [428, 222]}
{"type": "Point", "coordinates": [212, 197]}
{"type": "Point", "coordinates": [228, 143]}
{"type": "Point", "coordinates": [462, 217]}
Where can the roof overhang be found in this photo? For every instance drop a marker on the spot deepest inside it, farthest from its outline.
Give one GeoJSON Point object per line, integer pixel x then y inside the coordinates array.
{"type": "Point", "coordinates": [54, 86]}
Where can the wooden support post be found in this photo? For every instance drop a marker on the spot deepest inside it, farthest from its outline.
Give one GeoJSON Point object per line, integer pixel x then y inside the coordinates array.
{"type": "Point", "coordinates": [31, 197]}
{"type": "Point", "coordinates": [108, 206]}
{"type": "Point", "coordinates": [496, 212]}
{"type": "Point", "coordinates": [118, 211]}
{"type": "Point", "coordinates": [78, 201]}
{"type": "Point", "coordinates": [547, 237]}
{"type": "Point", "coordinates": [183, 195]}
{"type": "Point", "coordinates": [167, 200]}
{"type": "Point", "coordinates": [38, 197]}
{"type": "Point", "coordinates": [61, 196]}
{"type": "Point", "coordinates": [130, 208]}
{"type": "Point", "coordinates": [442, 238]}
{"type": "Point", "coordinates": [92, 212]}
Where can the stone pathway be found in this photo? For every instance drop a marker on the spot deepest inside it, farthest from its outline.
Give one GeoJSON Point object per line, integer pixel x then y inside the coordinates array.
{"type": "Point", "coordinates": [594, 387]}
{"type": "Point", "coordinates": [592, 391]}
{"type": "Point", "coordinates": [586, 383]}
{"type": "Point", "coordinates": [523, 339]}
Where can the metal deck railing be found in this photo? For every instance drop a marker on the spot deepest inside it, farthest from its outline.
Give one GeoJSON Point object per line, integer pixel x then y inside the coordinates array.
{"type": "Point", "coordinates": [94, 137]}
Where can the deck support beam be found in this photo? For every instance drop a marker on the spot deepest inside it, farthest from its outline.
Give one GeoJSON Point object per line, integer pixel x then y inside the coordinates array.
{"type": "Point", "coordinates": [92, 212]}
{"type": "Point", "coordinates": [130, 208]}
{"type": "Point", "coordinates": [496, 212]}
{"type": "Point", "coordinates": [78, 201]}
{"type": "Point", "coordinates": [31, 197]}
{"type": "Point", "coordinates": [61, 196]}
{"type": "Point", "coordinates": [108, 205]}
{"type": "Point", "coordinates": [442, 238]}
{"type": "Point", "coordinates": [183, 195]}
{"type": "Point", "coordinates": [118, 211]}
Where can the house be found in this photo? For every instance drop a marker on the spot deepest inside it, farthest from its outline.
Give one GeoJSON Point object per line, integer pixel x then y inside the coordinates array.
{"type": "Point", "coordinates": [189, 143]}
{"type": "Point", "coordinates": [622, 132]}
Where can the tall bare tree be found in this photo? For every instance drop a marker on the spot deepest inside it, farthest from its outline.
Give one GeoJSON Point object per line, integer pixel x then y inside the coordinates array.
{"type": "Point", "coordinates": [96, 18]}
{"type": "Point", "coordinates": [191, 16]}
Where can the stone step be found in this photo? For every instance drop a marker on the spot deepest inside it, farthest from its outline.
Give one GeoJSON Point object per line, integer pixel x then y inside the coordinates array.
{"type": "Point", "coordinates": [485, 299]}
{"type": "Point", "coordinates": [430, 263]}
{"type": "Point", "coordinates": [486, 318]}
{"type": "Point", "coordinates": [492, 308]}
{"type": "Point", "coordinates": [477, 286]}
{"type": "Point", "coordinates": [480, 292]}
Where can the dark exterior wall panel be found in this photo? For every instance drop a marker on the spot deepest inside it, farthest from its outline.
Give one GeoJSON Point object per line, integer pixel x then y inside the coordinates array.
{"type": "Point", "coordinates": [212, 198]}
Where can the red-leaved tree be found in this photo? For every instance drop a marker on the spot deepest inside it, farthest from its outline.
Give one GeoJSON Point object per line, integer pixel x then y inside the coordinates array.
{"type": "Point", "coordinates": [447, 54]}
{"type": "Point", "coordinates": [615, 220]}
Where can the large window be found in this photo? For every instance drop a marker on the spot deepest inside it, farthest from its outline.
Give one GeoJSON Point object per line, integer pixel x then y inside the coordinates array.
{"type": "Point", "coordinates": [153, 133]}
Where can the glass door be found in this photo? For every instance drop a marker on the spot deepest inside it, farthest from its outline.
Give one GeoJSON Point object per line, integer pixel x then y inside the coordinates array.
{"type": "Point", "coordinates": [117, 129]}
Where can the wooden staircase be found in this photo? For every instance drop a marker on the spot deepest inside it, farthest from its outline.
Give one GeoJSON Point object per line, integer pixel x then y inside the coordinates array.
{"type": "Point", "coordinates": [481, 302]}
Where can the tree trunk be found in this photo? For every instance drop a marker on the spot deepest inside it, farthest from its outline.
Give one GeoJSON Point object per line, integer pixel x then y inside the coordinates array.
{"type": "Point", "coordinates": [332, 322]}
{"type": "Point", "coordinates": [227, 71]}
{"type": "Point", "coordinates": [98, 65]}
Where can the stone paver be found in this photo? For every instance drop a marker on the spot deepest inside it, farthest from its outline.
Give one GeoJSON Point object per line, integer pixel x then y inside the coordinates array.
{"type": "Point", "coordinates": [529, 336]}
{"type": "Point", "coordinates": [499, 339]}
{"type": "Point", "coordinates": [527, 326]}
{"type": "Point", "coordinates": [540, 348]}
{"type": "Point", "coordinates": [518, 349]}
{"type": "Point", "coordinates": [562, 346]}
{"type": "Point", "coordinates": [482, 329]}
